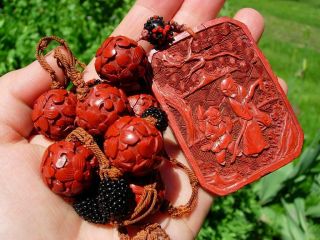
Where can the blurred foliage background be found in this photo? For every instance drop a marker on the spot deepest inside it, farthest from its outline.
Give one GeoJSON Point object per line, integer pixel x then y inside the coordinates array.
{"type": "Point", "coordinates": [282, 205]}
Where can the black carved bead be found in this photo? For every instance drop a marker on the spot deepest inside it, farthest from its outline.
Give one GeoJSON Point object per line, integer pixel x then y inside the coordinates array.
{"type": "Point", "coordinates": [160, 116]}
{"type": "Point", "coordinates": [158, 32]}
{"type": "Point", "coordinates": [154, 22]}
{"type": "Point", "coordinates": [87, 208]}
{"type": "Point", "coordinates": [116, 199]}
{"type": "Point", "coordinates": [87, 205]}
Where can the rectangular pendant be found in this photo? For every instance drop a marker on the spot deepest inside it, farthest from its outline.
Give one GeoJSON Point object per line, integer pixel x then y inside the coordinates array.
{"type": "Point", "coordinates": [225, 106]}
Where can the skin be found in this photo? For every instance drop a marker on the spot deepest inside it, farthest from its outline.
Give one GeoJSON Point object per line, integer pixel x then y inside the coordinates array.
{"type": "Point", "coordinates": [28, 209]}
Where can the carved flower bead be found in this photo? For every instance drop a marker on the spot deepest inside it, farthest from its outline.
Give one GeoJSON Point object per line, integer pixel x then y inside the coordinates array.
{"type": "Point", "coordinates": [132, 145]}
{"type": "Point", "coordinates": [102, 106]}
{"type": "Point", "coordinates": [67, 168]}
{"type": "Point", "coordinates": [141, 102]}
{"type": "Point", "coordinates": [54, 113]}
{"type": "Point", "coordinates": [122, 63]}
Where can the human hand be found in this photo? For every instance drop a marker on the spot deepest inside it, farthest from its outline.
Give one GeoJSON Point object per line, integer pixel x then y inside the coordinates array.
{"type": "Point", "coordinates": [28, 209]}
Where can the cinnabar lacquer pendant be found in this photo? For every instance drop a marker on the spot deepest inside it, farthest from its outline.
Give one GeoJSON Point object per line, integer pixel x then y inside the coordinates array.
{"type": "Point", "coordinates": [225, 106]}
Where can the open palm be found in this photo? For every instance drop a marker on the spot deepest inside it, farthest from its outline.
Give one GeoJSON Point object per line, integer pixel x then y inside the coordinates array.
{"type": "Point", "coordinates": [28, 209]}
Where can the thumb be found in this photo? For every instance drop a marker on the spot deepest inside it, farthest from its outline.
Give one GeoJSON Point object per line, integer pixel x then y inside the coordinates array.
{"type": "Point", "coordinates": [18, 90]}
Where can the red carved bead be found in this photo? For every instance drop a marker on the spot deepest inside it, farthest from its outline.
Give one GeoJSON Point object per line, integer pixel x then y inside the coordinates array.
{"type": "Point", "coordinates": [132, 145]}
{"type": "Point", "coordinates": [138, 192]}
{"type": "Point", "coordinates": [141, 102]}
{"type": "Point", "coordinates": [137, 188]}
{"type": "Point", "coordinates": [122, 63]}
{"type": "Point", "coordinates": [54, 113]}
{"type": "Point", "coordinates": [102, 106]}
{"type": "Point", "coordinates": [67, 168]}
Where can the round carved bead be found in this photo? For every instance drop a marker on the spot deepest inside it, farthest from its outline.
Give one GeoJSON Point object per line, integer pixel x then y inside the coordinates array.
{"type": "Point", "coordinates": [102, 106]}
{"type": "Point", "coordinates": [68, 168]}
{"type": "Point", "coordinates": [54, 113]}
{"type": "Point", "coordinates": [121, 62]}
{"type": "Point", "coordinates": [141, 102]}
{"type": "Point", "coordinates": [158, 32]}
{"type": "Point", "coordinates": [132, 145]}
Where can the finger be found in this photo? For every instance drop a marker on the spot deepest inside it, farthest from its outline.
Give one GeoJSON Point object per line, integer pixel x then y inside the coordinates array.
{"type": "Point", "coordinates": [284, 85]}
{"type": "Point", "coordinates": [178, 191]}
{"type": "Point", "coordinates": [254, 21]}
{"type": "Point", "coordinates": [26, 84]}
{"type": "Point", "coordinates": [40, 140]}
{"type": "Point", "coordinates": [132, 25]}
{"type": "Point", "coordinates": [18, 91]}
{"type": "Point", "coordinates": [205, 10]}
{"type": "Point", "coordinates": [189, 226]}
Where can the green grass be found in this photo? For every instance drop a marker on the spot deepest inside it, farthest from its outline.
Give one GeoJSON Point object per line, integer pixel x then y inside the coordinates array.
{"type": "Point", "coordinates": [84, 24]}
{"type": "Point", "coordinates": [283, 205]}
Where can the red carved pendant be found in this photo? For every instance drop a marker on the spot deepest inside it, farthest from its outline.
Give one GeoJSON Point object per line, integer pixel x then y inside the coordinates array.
{"type": "Point", "coordinates": [225, 106]}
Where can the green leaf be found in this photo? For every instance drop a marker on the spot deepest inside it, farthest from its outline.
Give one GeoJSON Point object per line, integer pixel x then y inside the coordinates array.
{"type": "Point", "coordinates": [308, 157]}
{"type": "Point", "coordinates": [300, 209]}
{"type": "Point", "coordinates": [291, 223]}
{"type": "Point", "coordinates": [295, 224]}
{"type": "Point", "coordinates": [294, 230]}
{"type": "Point", "coordinates": [313, 211]}
{"type": "Point", "coordinates": [271, 184]}
{"type": "Point", "coordinates": [291, 211]}
{"type": "Point", "coordinates": [272, 217]}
